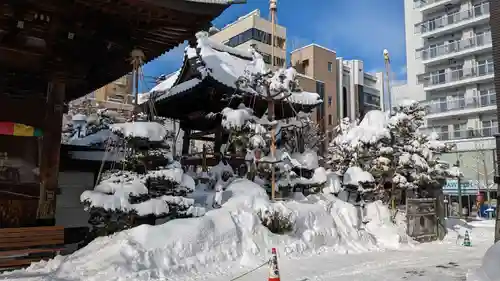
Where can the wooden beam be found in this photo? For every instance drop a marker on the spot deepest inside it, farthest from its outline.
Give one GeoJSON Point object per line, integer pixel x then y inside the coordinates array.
{"type": "Point", "coordinates": [203, 138]}
{"type": "Point", "coordinates": [51, 145]}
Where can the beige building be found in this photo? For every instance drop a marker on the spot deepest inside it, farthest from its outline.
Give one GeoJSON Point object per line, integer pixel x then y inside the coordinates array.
{"type": "Point", "coordinates": [346, 89]}
{"type": "Point", "coordinates": [252, 29]}
{"type": "Point", "coordinates": [119, 91]}
{"type": "Point", "coordinates": [117, 95]}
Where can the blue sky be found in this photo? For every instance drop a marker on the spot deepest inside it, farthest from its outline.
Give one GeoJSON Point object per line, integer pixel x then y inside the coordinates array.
{"type": "Point", "coordinates": [355, 29]}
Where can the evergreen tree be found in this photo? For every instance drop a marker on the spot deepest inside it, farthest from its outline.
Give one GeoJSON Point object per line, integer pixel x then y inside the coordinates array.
{"type": "Point", "coordinates": [392, 149]}
{"type": "Point", "coordinates": [147, 185]}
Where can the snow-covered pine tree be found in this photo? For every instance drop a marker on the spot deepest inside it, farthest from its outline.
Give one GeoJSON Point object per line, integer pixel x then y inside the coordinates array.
{"type": "Point", "coordinates": [146, 186]}
{"type": "Point", "coordinates": [253, 134]}
{"type": "Point", "coordinates": [416, 158]}
{"type": "Point", "coordinates": [391, 149]}
{"type": "Point", "coordinates": [300, 133]}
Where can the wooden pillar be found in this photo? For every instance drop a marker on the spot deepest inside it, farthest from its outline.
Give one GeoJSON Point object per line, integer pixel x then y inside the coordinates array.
{"type": "Point", "coordinates": [186, 141]}
{"type": "Point", "coordinates": [51, 145]}
{"type": "Point", "coordinates": [218, 144]}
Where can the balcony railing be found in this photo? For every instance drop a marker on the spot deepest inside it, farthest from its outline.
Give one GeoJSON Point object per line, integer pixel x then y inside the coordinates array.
{"type": "Point", "coordinates": [422, 3]}
{"type": "Point", "coordinates": [454, 47]}
{"type": "Point", "coordinates": [457, 75]}
{"type": "Point", "coordinates": [464, 134]}
{"type": "Point", "coordinates": [462, 103]}
{"type": "Point", "coordinates": [446, 20]}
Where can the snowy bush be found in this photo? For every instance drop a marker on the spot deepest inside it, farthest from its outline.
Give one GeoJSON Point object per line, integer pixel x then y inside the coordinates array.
{"type": "Point", "coordinates": [88, 125]}
{"type": "Point", "coordinates": [147, 185]}
{"type": "Point", "coordinates": [276, 221]}
{"type": "Point", "coordinates": [391, 150]}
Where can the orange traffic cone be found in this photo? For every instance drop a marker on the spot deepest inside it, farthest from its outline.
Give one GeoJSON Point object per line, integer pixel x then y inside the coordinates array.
{"type": "Point", "coordinates": [274, 272]}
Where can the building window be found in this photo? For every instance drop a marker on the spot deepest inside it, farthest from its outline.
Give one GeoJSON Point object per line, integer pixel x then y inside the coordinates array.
{"type": "Point", "coordinates": [320, 89]}
{"type": "Point", "coordinates": [329, 101]}
{"type": "Point", "coordinates": [279, 61]}
{"type": "Point", "coordinates": [330, 119]}
{"type": "Point", "coordinates": [305, 66]}
{"type": "Point", "coordinates": [256, 34]}
{"type": "Point", "coordinates": [344, 102]}
{"type": "Point", "coordinates": [330, 66]}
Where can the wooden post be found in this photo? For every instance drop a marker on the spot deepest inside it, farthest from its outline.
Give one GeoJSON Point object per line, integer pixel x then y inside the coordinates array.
{"type": "Point", "coordinates": [51, 145]}
{"type": "Point", "coordinates": [186, 142]}
{"type": "Point", "coordinates": [204, 159]}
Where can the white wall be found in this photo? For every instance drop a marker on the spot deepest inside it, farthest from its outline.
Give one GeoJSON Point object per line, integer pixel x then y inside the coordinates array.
{"type": "Point", "coordinates": [69, 210]}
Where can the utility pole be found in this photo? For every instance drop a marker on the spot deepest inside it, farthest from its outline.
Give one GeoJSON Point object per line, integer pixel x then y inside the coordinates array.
{"type": "Point", "coordinates": [270, 102]}
{"type": "Point", "coordinates": [387, 61]}
{"type": "Point", "coordinates": [138, 58]}
{"type": "Point", "coordinates": [497, 181]}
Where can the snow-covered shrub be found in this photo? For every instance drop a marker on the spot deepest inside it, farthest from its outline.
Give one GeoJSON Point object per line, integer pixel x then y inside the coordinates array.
{"type": "Point", "coordinates": [88, 125]}
{"type": "Point", "coordinates": [147, 185]}
{"type": "Point", "coordinates": [391, 149]}
{"type": "Point", "coordinates": [276, 221]}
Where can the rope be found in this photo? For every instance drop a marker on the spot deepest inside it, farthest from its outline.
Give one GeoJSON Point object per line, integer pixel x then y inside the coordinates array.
{"type": "Point", "coordinates": [106, 152]}
{"type": "Point", "coordinates": [253, 270]}
{"type": "Point", "coordinates": [19, 194]}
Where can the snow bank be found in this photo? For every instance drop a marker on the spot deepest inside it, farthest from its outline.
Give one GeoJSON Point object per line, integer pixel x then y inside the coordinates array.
{"type": "Point", "coordinates": [232, 233]}
{"type": "Point", "coordinates": [490, 269]}
{"type": "Point", "coordinates": [153, 131]}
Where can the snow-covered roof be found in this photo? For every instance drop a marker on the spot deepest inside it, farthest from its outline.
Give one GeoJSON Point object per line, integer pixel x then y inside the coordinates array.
{"type": "Point", "coordinates": [167, 83]}
{"type": "Point", "coordinates": [226, 65]}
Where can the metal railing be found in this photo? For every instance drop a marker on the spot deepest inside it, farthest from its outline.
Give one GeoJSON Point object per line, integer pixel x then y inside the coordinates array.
{"type": "Point", "coordinates": [449, 19]}
{"type": "Point", "coordinates": [461, 103]}
{"type": "Point", "coordinates": [457, 75]}
{"type": "Point", "coordinates": [463, 134]}
{"type": "Point", "coordinates": [422, 3]}
{"type": "Point", "coordinates": [454, 47]}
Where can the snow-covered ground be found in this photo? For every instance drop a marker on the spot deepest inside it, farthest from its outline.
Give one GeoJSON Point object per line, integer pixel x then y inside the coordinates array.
{"type": "Point", "coordinates": [329, 242]}
{"type": "Point", "coordinates": [437, 261]}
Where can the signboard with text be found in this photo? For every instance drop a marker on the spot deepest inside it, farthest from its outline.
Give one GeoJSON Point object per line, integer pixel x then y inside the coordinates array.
{"type": "Point", "coordinates": [469, 187]}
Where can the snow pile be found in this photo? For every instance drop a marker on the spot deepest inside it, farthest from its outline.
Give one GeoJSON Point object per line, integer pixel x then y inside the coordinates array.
{"type": "Point", "coordinates": [355, 176]}
{"type": "Point", "coordinates": [333, 183]}
{"type": "Point", "coordinates": [371, 129]}
{"type": "Point", "coordinates": [236, 118]}
{"type": "Point", "coordinates": [232, 233]}
{"type": "Point", "coordinates": [490, 269]}
{"type": "Point", "coordinates": [153, 131]}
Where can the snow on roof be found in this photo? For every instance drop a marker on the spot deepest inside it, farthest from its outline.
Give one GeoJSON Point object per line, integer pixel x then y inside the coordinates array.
{"type": "Point", "coordinates": [99, 137]}
{"type": "Point", "coordinates": [226, 65]}
{"type": "Point", "coordinates": [151, 130]}
{"type": "Point", "coordinates": [184, 86]}
{"type": "Point", "coordinates": [167, 83]}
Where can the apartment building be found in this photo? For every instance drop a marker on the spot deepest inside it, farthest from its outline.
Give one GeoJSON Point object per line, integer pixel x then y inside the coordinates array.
{"type": "Point", "coordinates": [450, 67]}
{"type": "Point", "coordinates": [346, 89]}
{"type": "Point", "coordinates": [449, 60]}
{"type": "Point", "coordinates": [117, 95]}
{"type": "Point", "coordinates": [252, 29]}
